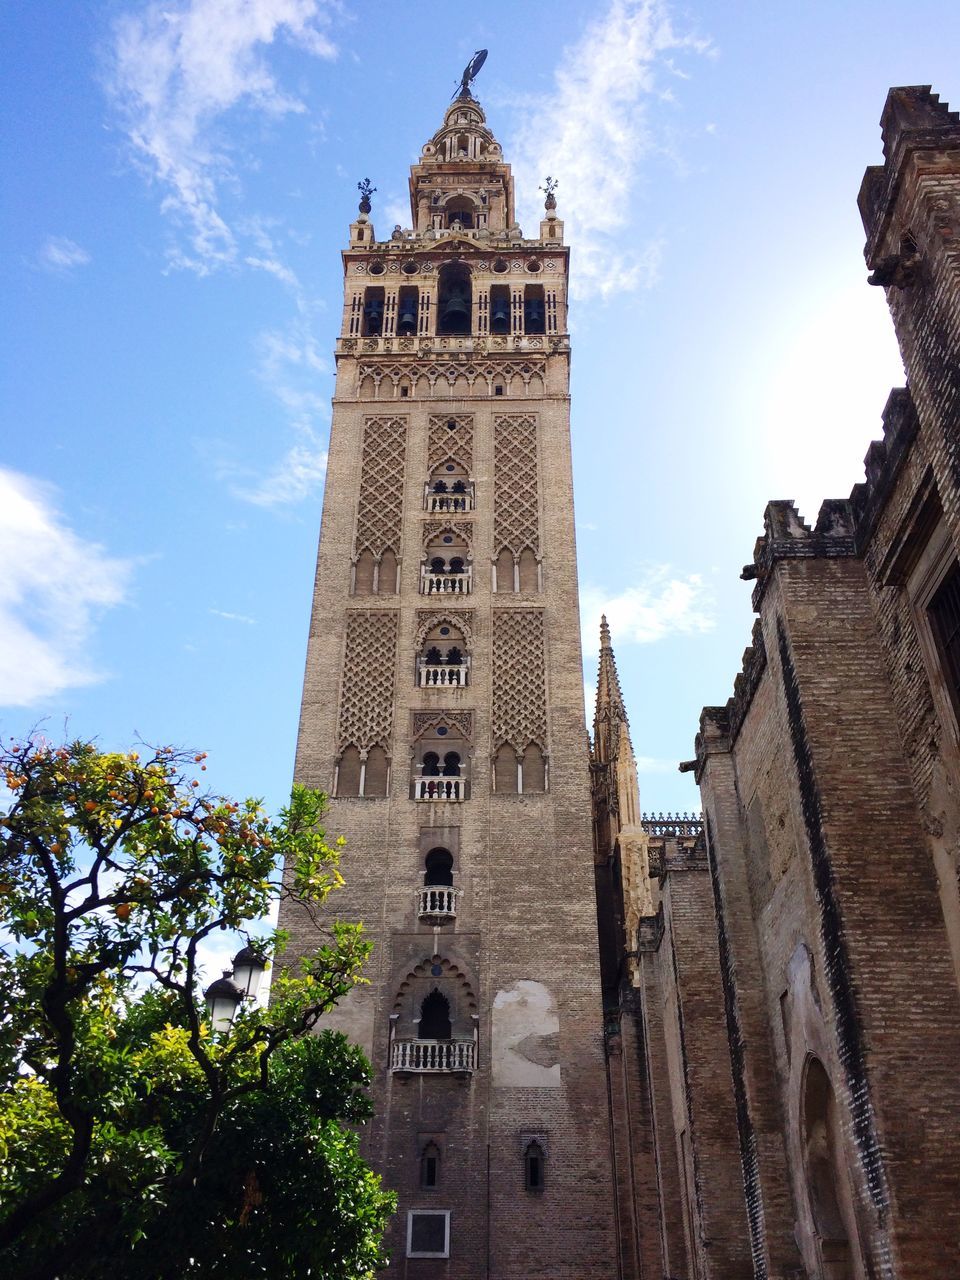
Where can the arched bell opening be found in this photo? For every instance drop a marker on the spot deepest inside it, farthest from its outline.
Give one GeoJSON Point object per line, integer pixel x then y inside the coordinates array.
{"type": "Point", "coordinates": [460, 214]}
{"type": "Point", "coordinates": [454, 300]}
{"type": "Point", "coordinates": [500, 309]}
{"type": "Point", "coordinates": [408, 307]}
{"type": "Point", "coordinates": [373, 305]}
{"type": "Point", "coordinates": [534, 309]}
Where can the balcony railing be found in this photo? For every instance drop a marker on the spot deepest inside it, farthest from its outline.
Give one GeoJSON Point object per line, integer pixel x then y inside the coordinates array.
{"type": "Point", "coordinates": [433, 1055]}
{"type": "Point", "coordinates": [443, 677]}
{"type": "Point", "coordinates": [448, 501]}
{"type": "Point", "coordinates": [440, 789]}
{"type": "Point", "coordinates": [456, 584]}
{"type": "Point", "coordinates": [437, 901]}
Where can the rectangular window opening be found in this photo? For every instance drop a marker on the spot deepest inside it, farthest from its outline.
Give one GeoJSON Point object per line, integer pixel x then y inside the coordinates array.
{"type": "Point", "coordinates": [428, 1233]}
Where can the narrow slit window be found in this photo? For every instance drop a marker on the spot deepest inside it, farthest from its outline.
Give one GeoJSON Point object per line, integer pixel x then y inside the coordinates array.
{"type": "Point", "coordinates": [430, 1166]}
{"type": "Point", "coordinates": [533, 1167]}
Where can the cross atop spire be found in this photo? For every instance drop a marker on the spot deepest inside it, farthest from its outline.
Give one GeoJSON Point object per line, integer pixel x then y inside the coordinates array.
{"type": "Point", "coordinates": [610, 712]}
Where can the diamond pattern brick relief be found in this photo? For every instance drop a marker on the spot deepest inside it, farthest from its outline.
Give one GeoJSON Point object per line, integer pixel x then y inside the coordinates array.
{"type": "Point", "coordinates": [445, 443]}
{"type": "Point", "coordinates": [380, 510]}
{"type": "Point", "coordinates": [516, 522]}
{"type": "Point", "coordinates": [519, 678]}
{"type": "Point", "coordinates": [366, 694]}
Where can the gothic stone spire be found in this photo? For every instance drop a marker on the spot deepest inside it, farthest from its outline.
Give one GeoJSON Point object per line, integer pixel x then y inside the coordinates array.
{"type": "Point", "coordinates": [610, 712]}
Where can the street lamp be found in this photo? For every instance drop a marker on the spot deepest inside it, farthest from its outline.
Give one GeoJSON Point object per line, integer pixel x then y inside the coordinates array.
{"type": "Point", "coordinates": [248, 969]}
{"type": "Point", "coordinates": [223, 998]}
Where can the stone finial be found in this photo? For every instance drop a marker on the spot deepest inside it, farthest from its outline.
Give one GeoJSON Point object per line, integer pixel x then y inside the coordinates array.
{"type": "Point", "coordinates": [550, 200]}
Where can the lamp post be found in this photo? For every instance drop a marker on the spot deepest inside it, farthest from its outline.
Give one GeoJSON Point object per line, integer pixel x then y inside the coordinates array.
{"type": "Point", "coordinates": [248, 969]}
{"type": "Point", "coordinates": [223, 998]}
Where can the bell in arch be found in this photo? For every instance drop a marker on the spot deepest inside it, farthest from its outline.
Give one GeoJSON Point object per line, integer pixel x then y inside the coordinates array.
{"type": "Point", "coordinates": [456, 310]}
{"type": "Point", "coordinates": [407, 319]}
{"type": "Point", "coordinates": [374, 314]}
{"type": "Point", "coordinates": [500, 316]}
{"type": "Point", "coordinates": [534, 315]}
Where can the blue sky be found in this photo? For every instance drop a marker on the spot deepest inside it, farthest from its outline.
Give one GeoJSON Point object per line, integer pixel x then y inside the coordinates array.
{"type": "Point", "coordinates": [179, 179]}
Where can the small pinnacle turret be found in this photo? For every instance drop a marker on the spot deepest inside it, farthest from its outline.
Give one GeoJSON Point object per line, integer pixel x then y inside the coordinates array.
{"type": "Point", "coordinates": [611, 713]}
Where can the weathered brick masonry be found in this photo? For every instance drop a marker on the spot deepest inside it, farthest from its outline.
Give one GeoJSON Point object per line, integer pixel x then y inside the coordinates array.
{"type": "Point", "coordinates": [796, 1042]}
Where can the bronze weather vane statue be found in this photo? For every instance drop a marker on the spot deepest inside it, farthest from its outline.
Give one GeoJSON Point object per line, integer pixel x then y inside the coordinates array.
{"type": "Point", "coordinates": [470, 73]}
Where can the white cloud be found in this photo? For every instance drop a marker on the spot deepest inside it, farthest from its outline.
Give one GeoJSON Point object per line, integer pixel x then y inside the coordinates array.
{"type": "Point", "coordinates": [290, 365]}
{"type": "Point", "coordinates": [298, 474]}
{"type": "Point", "coordinates": [52, 585]}
{"type": "Point", "coordinates": [593, 133]}
{"type": "Point", "coordinates": [658, 605]}
{"type": "Point", "coordinates": [178, 67]}
{"type": "Point", "coordinates": [233, 617]}
{"type": "Point", "coordinates": [62, 255]}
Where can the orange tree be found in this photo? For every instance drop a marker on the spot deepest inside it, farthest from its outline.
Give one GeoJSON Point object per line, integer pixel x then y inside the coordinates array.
{"type": "Point", "coordinates": [135, 1139]}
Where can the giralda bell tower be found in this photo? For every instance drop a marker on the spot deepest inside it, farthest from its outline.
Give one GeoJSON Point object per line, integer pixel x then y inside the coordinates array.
{"type": "Point", "coordinates": [443, 712]}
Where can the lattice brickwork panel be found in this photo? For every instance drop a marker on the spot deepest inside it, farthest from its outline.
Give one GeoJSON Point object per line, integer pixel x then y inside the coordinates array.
{"type": "Point", "coordinates": [516, 522]}
{"type": "Point", "coordinates": [380, 510]}
{"type": "Point", "coordinates": [366, 693]}
{"type": "Point", "coordinates": [519, 678]}
{"type": "Point", "coordinates": [444, 442]}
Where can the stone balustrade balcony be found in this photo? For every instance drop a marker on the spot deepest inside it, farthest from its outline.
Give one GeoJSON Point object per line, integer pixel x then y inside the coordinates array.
{"type": "Point", "coordinates": [438, 902]}
{"type": "Point", "coordinates": [433, 1055]}
{"type": "Point", "coordinates": [444, 584]}
{"type": "Point", "coordinates": [436, 790]}
{"type": "Point", "coordinates": [450, 502]}
{"type": "Point", "coordinates": [443, 676]}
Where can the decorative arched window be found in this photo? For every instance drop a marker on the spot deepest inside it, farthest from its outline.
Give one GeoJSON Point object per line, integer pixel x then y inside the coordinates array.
{"type": "Point", "coordinates": [443, 662]}
{"type": "Point", "coordinates": [505, 777]}
{"type": "Point", "coordinates": [363, 574]}
{"type": "Point", "coordinates": [348, 772]}
{"type": "Point", "coordinates": [438, 867]}
{"type": "Point", "coordinates": [434, 1021]}
{"type": "Point", "coordinates": [446, 569]}
{"type": "Point", "coordinates": [431, 765]}
{"type": "Point", "coordinates": [376, 772]}
{"type": "Point", "coordinates": [387, 573]}
{"type": "Point", "coordinates": [534, 1167]}
{"type": "Point", "coordinates": [441, 763]}
{"type": "Point", "coordinates": [449, 488]}
{"type": "Point", "coordinates": [437, 901]}
{"type": "Point", "coordinates": [528, 571]}
{"type": "Point", "coordinates": [533, 769]}
{"type": "Point", "coordinates": [504, 567]}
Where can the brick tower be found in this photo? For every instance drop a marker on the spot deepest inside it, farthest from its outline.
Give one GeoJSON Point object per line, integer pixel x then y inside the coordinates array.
{"type": "Point", "coordinates": [443, 712]}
